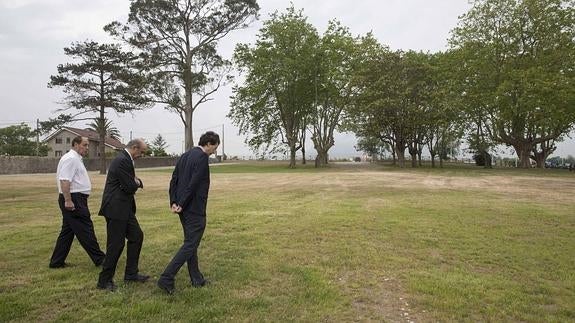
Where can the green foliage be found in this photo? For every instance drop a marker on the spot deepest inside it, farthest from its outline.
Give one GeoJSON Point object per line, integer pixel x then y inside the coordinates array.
{"type": "Point", "coordinates": [398, 99]}
{"type": "Point", "coordinates": [483, 159]}
{"type": "Point", "coordinates": [178, 40]}
{"type": "Point", "coordinates": [336, 60]}
{"type": "Point", "coordinates": [273, 104]}
{"type": "Point", "coordinates": [372, 146]}
{"type": "Point", "coordinates": [158, 147]}
{"type": "Point", "coordinates": [104, 78]}
{"type": "Point", "coordinates": [516, 63]}
{"type": "Point", "coordinates": [105, 125]}
{"type": "Point", "coordinates": [20, 140]}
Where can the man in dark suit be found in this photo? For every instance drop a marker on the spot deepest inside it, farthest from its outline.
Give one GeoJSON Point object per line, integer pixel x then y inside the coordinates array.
{"type": "Point", "coordinates": [119, 209]}
{"type": "Point", "coordinates": [188, 197]}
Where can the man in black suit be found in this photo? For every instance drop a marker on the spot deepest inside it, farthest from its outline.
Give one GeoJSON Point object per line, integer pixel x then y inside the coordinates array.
{"type": "Point", "coordinates": [119, 209]}
{"type": "Point", "coordinates": [188, 197]}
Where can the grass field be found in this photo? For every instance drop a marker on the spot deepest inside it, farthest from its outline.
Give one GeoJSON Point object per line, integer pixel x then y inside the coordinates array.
{"type": "Point", "coordinates": [346, 243]}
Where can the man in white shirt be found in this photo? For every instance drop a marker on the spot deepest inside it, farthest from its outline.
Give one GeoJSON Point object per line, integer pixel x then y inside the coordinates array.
{"type": "Point", "coordinates": [74, 187]}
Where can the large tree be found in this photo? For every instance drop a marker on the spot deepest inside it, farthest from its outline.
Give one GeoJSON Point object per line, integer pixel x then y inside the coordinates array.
{"type": "Point", "coordinates": [393, 99]}
{"type": "Point", "coordinates": [518, 68]}
{"type": "Point", "coordinates": [417, 100]}
{"type": "Point", "coordinates": [273, 104]}
{"type": "Point", "coordinates": [179, 39]}
{"type": "Point", "coordinates": [103, 78]}
{"type": "Point", "coordinates": [20, 140]}
{"type": "Point", "coordinates": [336, 61]}
{"type": "Point", "coordinates": [444, 119]}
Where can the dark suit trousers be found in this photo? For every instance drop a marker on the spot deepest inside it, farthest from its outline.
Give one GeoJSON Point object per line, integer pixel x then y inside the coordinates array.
{"type": "Point", "coordinates": [118, 231]}
{"type": "Point", "coordinates": [194, 227]}
{"type": "Point", "coordinates": [76, 223]}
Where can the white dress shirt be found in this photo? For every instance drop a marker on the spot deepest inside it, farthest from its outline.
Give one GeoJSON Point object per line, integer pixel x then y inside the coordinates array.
{"type": "Point", "coordinates": [72, 169]}
{"type": "Point", "coordinates": [132, 158]}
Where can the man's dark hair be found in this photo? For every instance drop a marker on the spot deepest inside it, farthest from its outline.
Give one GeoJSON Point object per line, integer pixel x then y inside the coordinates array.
{"type": "Point", "coordinates": [77, 140]}
{"type": "Point", "coordinates": [209, 137]}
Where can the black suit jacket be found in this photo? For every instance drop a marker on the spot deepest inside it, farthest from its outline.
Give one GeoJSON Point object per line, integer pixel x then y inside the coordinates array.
{"type": "Point", "coordinates": [118, 198]}
{"type": "Point", "coordinates": [191, 182]}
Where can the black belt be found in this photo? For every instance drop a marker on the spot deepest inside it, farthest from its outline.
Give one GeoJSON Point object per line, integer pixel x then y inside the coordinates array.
{"type": "Point", "coordinates": [78, 194]}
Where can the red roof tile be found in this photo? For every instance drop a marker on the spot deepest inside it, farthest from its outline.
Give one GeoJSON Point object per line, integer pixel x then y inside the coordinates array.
{"type": "Point", "coordinates": [91, 135]}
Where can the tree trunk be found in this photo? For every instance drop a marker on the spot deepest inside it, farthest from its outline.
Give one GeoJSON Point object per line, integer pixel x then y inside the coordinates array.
{"type": "Point", "coordinates": [488, 160]}
{"type": "Point", "coordinates": [523, 151]}
{"type": "Point", "coordinates": [189, 111]}
{"type": "Point", "coordinates": [419, 153]}
{"type": "Point", "coordinates": [102, 144]}
{"type": "Point", "coordinates": [321, 159]}
{"type": "Point", "coordinates": [413, 154]}
{"type": "Point", "coordinates": [540, 160]}
{"type": "Point", "coordinates": [432, 161]}
{"type": "Point", "coordinates": [540, 155]}
{"type": "Point", "coordinates": [303, 160]}
{"type": "Point", "coordinates": [292, 156]}
{"type": "Point", "coordinates": [189, 134]}
{"type": "Point", "coordinates": [400, 151]}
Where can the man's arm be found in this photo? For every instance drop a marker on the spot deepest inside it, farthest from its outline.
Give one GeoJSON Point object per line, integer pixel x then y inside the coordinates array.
{"type": "Point", "coordinates": [68, 203]}
{"type": "Point", "coordinates": [68, 170]}
{"type": "Point", "coordinates": [198, 172]}
{"type": "Point", "coordinates": [174, 182]}
{"type": "Point", "coordinates": [127, 180]}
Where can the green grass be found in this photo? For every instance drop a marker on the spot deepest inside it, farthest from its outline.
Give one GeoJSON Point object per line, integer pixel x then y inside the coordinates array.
{"type": "Point", "coordinates": [345, 243]}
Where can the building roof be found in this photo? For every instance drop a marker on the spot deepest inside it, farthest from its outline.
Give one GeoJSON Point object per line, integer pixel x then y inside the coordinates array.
{"type": "Point", "coordinates": [90, 134]}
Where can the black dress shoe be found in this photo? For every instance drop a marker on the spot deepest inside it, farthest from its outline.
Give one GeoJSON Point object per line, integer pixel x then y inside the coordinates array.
{"type": "Point", "coordinates": [61, 265]}
{"type": "Point", "coordinates": [169, 289]}
{"type": "Point", "coordinates": [136, 278]}
{"type": "Point", "coordinates": [200, 283]}
{"type": "Point", "coordinates": [109, 286]}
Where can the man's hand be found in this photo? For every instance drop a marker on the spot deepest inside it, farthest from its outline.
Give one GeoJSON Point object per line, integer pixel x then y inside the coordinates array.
{"type": "Point", "coordinates": [139, 182]}
{"type": "Point", "coordinates": [69, 205]}
{"type": "Point", "coordinates": [176, 208]}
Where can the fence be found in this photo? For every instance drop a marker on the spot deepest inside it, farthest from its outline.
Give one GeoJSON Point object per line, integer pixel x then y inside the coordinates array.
{"type": "Point", "coordinates": [35, 165]}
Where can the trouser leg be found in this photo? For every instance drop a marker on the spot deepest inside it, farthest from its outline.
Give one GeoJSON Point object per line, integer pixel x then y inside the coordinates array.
{"type": "Point", "coordinates": [83, 229]}
{"type": "Point", "coordinates": [65, 238]}
{"type": "Point", "coordinates": [135, 238]}
{"type": "Point", "coordinates": [193, 230]}
{"type": "Point", "coordinates": [196, 228]}
{"type": "Point", "coordinates": [116, 230]}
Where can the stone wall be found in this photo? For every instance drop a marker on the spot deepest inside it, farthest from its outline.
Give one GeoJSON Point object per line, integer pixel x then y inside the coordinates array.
{"type": "Point", "coordinates": [27, 164]}
{"type": "Point", "coordinates": [34, 165]}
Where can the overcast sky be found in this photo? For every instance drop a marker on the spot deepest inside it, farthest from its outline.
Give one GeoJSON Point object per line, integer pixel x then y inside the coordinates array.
{"type": "Point", "coordinates": [33, 34]}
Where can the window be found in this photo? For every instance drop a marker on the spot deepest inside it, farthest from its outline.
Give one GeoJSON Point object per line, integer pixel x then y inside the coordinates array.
{"type": "Point", "coordinates": [67, 140]}
{"type": "Point", "coordinates": [58, 140]}
{"type": "Point", "coordinates": [58, 153]}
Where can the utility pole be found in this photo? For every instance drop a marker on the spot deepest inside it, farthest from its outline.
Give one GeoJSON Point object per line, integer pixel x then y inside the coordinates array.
{"type": "Point", "coordinates": [223, 151]}
{"type": "Point", "coordinates": [37, 137]}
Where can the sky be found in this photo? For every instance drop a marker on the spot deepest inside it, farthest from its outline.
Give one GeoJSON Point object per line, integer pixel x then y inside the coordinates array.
{"type": "Point", "coordinates": [33, 34]}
